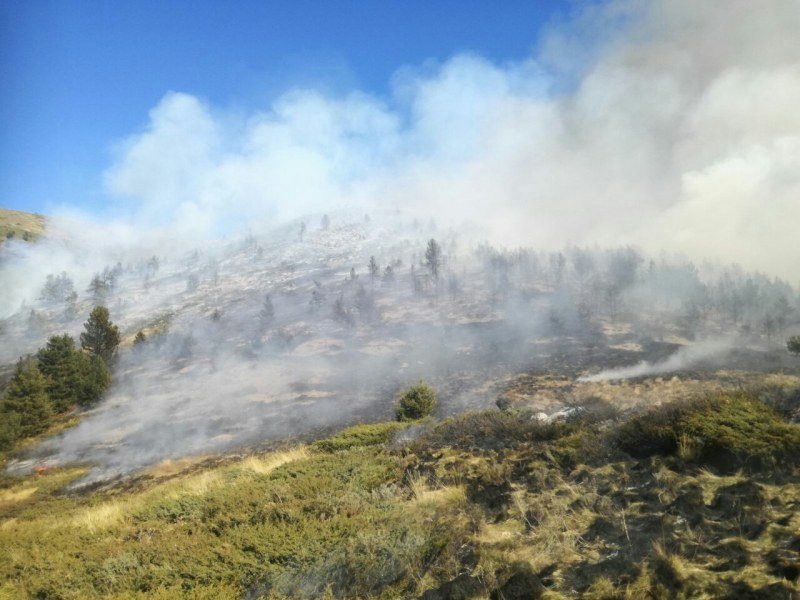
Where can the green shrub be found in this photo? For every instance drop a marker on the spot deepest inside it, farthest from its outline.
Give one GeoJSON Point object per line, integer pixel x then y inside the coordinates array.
{"type": "Point", "coordinates": [742, 431]}
{"type": "Point", "coordinates": [793, 345]}
{"type": "Point", "coordinates": [416, 402]}
{"type": "Point", "coordinates": [357, 436]}
{"type": "Point", "coordinates": [725, 431]}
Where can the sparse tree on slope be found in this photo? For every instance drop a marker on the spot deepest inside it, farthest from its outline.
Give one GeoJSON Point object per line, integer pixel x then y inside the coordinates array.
{"type": "Point", "coordinates": [101, 337]}
{"type": "Point", "coordinates": [433, 258]}
{"type": "Point", "coordinates": [374, 269]}
{"type": "Point", "coordinates": [139, 339]}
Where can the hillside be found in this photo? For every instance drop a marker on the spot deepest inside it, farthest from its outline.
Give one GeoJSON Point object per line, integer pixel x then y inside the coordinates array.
{"type": "Point", "coordinates": [698, 498]}
{"type": "Point", "coordinates": [21, 225]}
{"type": "Point", "coordinates": [607, 424]}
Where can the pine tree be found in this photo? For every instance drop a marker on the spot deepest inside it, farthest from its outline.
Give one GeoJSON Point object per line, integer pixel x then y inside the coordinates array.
{"type": "Point", "coordinates": [139, 339]}
{"type": "Point", "coordinates": [101, 337]}
{"type": "Point", "coordinates": [26, 396]}
{"type": "Point", "coordinates": [374, 269]}
{"type": "Point", "coordinates": [433, 258]}
{"type": "Point", "coordinates": [57, 362]}
{"type": "Point", "coordinates": [92, 378]}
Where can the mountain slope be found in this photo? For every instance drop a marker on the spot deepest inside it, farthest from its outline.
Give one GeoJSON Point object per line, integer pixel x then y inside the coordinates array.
{"type": "Point", "coordinates": [18, 224]}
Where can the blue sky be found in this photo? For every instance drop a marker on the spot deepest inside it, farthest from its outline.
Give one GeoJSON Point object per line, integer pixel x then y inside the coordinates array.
{"type": "Point", "coordinates": [78, 76]}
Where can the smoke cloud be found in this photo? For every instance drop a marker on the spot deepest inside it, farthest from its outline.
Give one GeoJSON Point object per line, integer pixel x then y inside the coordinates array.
{"type": "Point", "coordinates": [665, 124]}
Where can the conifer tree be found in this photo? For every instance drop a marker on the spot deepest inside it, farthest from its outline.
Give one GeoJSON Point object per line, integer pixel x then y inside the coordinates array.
{"type": "Point", "coordinates": [433, 258]}
{"type": "Point", "coordinates": [58, 363]}
{"type": "Point", "coordinates": [374, 269]}
{"type": "Point", "coordinates": [93, 378]}
{"type": "Point", "coordinates": [101, 337]}
{"type": "Point", "coordinates": [26, 396]}
{"type": "Point", "coordinates": [139, 339]}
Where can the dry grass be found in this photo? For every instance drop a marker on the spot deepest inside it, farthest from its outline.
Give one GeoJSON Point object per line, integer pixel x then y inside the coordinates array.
{"type": "Point", "coordinates": [12, 496]}
{"type": "Point", "coordinates": [169, 468]}
{"type": "Point", "coordinates": [103, 516]}
{"type": "Point", "coordinates": [116, 512]}
{"type": "Point", "coordinates": [20, 223]}
{"type": "Point", "coordinates": [262, 465]}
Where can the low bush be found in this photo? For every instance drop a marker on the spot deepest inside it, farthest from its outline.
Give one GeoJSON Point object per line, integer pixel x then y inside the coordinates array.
{"type": "Point", "coordinates": [725, 431]}
{"type": "Point", "coordinates": [489, 430]}
{"type": "Point", "coordinates": [416, 402]}
{"type": "Point", "coordinates": [359, 435]}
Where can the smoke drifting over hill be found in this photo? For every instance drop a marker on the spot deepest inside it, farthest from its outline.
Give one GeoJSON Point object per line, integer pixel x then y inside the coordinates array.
{"type": "Point", "coordinates": [672, 128]}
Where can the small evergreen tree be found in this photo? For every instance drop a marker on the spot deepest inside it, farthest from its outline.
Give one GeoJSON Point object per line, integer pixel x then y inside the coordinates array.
{"type": "Point", "coordinates": [101, 337]}
{"type": "Point", "coordinates": [139, 339]}
{"type": "Point", "coordinates": [374, 269]}
{"type": "Point", "coordinates": [793, 345]}
{"type": "Point", "coordinates": [433, 258]}
{"type": "Point", "coordinates": [416, 402]}
{"type": "Point", "coordinates": [26, 396]}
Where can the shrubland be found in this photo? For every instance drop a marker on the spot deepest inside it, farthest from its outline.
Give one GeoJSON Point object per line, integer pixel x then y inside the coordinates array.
{"type": "Point", "coordinates": [694, 498]}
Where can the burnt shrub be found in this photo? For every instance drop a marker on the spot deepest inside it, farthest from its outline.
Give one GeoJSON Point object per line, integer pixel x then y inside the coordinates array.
{"type": "Point", "coordinates": [489, 430]}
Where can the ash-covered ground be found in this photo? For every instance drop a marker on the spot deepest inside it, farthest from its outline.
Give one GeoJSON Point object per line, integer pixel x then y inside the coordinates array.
{"type": "Point", "coordinates": [284, 333]}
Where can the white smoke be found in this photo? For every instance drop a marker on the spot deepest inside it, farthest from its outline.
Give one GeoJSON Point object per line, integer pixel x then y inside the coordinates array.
{"type": "Point", "coordinates": [668, 124]}
{"type": "Point", "coordinates": [684, 358]}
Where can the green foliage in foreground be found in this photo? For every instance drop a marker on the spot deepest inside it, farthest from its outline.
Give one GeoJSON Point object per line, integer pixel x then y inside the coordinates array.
{"type": "Point", "coordinates": [416, 402]}
{"type": "Point", "coordinates": [359, 436]}
{"type": "Point", "coordinates": [726, 431]}
{"type": "Point", "coordinates": [477, 506]}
